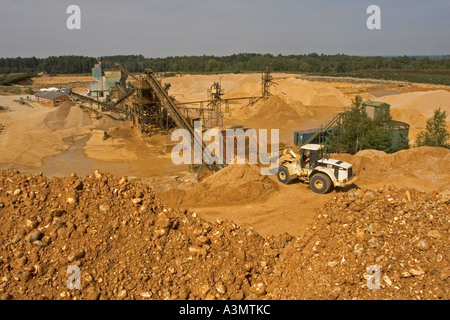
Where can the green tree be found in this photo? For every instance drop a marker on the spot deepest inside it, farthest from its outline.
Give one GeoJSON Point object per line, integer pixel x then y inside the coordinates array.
{"type": "Point", "coordinates": [435, 133]}
{"type": "Point", "coordinates": [359, 132]}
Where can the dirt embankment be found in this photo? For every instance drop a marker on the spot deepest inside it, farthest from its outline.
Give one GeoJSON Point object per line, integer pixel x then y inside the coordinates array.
{"type": "Point", "coordinates": [384, 243]}
{"type": "Point", "coordinates": [423, 168]}
{"type": "Point", "coordinates": [128, 246]}
{"type": "Point", "coordinates": [233, 185]}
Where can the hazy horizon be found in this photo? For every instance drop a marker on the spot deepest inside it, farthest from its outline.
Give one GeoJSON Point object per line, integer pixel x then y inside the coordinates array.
{"type": "Point", "coordinates": [159, 29]}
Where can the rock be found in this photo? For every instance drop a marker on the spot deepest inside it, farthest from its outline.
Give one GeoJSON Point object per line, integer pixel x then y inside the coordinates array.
{"type": "Point", "coordinates": [202, 240]}
{"type": "Point", "coordinates": [97, 174]}
{"type": "Point", "coordinates": [163, 221]}
{"type": "Point", "coordinates": [387, 280]}
{"type": "Point", "coordinates": [434, 234]}
{"type": "Point", "coordinates": [408, 196]}
{"type": "Point", "coordinates": [423, 244]}
{"type": "Point", "coordinates": [33, 236]}
{"type": "Point", "coordinates": [17, 192]}
{"type": "Point", "coordinates": [146, 294]}
{"type": "Point", "coordinates": [259, 288]}
{"type": "Point", "coordinates": [123, 294]}
{"type": "Point", "coordinates": [332, 264]}
{"type": "Point", "coordinates": [31, 224]}
{"type": "Point", "coordinates": [237, 296]}
{"type": "Point", "coordinates": [137, 200]}
{"type": "Point", "coordinates": [204, 289]}
{"type": "Point", "coordinates": [71, 200]}
{"type": "Point", "coordinates": [416, 271]}
{"type": "Point", "coordinates": [93, 295]}
{"type": "Point", "coordinates": [220, 287]}
{"type": "Point", "coordinates": [103, 208]}
{"type": "Point", "coordinates": [75, 255]}
{"type": "Point", "coordinates": [2, 205]}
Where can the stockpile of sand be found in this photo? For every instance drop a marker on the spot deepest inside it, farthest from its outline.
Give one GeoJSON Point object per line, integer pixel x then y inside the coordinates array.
{"type": "Point", "coordinates": [65, 116]}
{"type": "Point", "coordinates": [415, 108]}
{"type": "Point", "coordinates": [312, 93]}
{"type": "Point", "coordinates": [278, 108]}
{"type": "Point", "coordinates": [235, 184]}
{"type": "Point", "coordinates": [308, 93]}
{"type": "Point", "coordinates": [424, 168]}
{"type": "Point", "coordinates": [423, 102]}
{"type": "Point", "coordinates": [195, 87]}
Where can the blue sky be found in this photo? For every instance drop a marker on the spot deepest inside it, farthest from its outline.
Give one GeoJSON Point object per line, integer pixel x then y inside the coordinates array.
{"type": "Point", "coordinates": [156, 28]}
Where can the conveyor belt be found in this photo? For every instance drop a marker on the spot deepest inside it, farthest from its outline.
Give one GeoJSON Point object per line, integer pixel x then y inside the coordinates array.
{"type": "Point", "coordinates": [175, 113]}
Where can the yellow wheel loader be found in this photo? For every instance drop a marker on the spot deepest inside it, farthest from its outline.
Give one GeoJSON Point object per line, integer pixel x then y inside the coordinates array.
{"type": "Point", "coordinates": [313, 166]}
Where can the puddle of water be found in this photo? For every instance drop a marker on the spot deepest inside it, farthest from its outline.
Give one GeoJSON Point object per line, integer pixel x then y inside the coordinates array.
{"type": "Point", "coordinates": [74, 160]}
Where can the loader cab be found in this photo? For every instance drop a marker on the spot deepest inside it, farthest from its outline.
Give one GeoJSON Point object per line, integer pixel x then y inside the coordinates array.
{"type": "Point", "coordinates": [310, 154]}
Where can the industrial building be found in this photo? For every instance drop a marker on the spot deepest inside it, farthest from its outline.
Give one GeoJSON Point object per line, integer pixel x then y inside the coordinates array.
{"type": "Point", "coordinates": [51, 98]}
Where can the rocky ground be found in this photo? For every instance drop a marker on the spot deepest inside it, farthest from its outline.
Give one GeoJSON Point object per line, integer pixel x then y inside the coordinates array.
{"type": "Point", "coordinates": [402, 233]}
{"type": "Point", "coordinates": [127, 245]}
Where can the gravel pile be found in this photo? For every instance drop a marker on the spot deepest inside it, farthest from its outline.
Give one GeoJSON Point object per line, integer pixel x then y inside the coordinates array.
{"type": "Point", "coordinates": [127, 245]}
{"type": "Point", "coordinates": [385, 243]}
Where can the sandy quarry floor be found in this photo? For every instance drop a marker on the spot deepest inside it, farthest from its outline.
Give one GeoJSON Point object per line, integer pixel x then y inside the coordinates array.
{"type": "Point", "coordinates": [39, 139]}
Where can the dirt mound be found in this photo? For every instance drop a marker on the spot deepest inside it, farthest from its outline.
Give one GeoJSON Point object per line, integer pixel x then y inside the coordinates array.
{"type": "Point", "coordinates": [399, 236]}
{"type": "Point", "coordinates": [424, 102]}
{"type": "Point", "coordinates": [126, 244]}
{"type": "Point", "coordinates": [424, 168]}
{"type": "Point", "coordinates": [312, 93]}
{"type": "Point", "coordinates": [235, 184]}
{"type": "Point", "coordinates": [278, 108]}
{"type": "Point", "coordinates": [309, 93]}
{"type": "Point", "coordinates": [415, 108]}
{"type": "Point", "coordinates": [66, 116]}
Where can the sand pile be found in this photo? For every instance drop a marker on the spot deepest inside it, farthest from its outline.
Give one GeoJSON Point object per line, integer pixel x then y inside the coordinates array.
{"type": "Point", "coordinates": [415, 108]}
{"type": "Point", "coordinates": [308, 93]}
{"type": "Point", "coordinates": [279, 108]}
{"type": "Point", "coordinates": [402, 233]}
{"type": "Point", "coordinates": [195, 87]}
{"type": "Point", "coordinates": [66, 116]}
{"type": "Point", "coordinates": [235, 184]}
{"type": "Point", "coordinates": [312, 93]}
{"type": "Point", "coordinates": [423, 102]}
{"type": "Point", "coordinates": [424, 168]}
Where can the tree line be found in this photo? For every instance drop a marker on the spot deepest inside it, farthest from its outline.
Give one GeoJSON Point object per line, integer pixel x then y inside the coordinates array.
{"type": "Point", "coordinates": [243, 62]}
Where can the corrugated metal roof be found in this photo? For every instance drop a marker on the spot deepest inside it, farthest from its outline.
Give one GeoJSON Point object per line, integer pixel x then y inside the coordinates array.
{"type": "Point", "coordinates": [375, 103]}
{"type": "Point", "coordinates": [50, 95]}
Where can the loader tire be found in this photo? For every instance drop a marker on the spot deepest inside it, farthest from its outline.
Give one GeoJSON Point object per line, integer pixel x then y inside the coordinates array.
{"type": "Point", "coordinates": [321, 183]}
{"type": "Point", "coordinates": [283, 175]}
